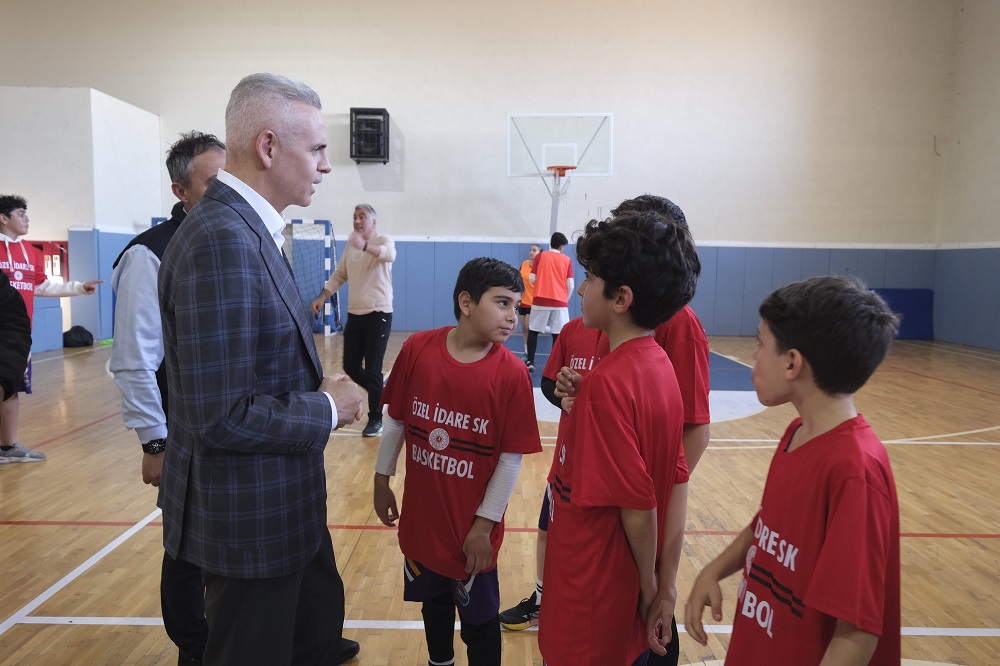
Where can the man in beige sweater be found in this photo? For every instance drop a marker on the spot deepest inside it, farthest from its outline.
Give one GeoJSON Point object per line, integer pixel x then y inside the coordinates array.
{"type": "Point", "coordinates": [367, 263]}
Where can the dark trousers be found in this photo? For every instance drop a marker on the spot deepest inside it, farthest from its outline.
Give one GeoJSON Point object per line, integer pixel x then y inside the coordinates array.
{"type": "Point", "coordinates": [293, 619]}
{"type": "Point", "coordinates": [365, 339]}
{"type": "Point", "coordinates": [182, 602]}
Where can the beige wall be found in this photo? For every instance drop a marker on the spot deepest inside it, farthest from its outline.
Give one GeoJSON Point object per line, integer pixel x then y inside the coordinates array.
{"type": "Point", "coordinates": [767, 120]}
{"type": "Point", "coordinates": [47, 157]}
{"type": "Point", "coordinates": [126, 164]}
{"type": "Point", "coordinates": [970, 207]}
{"type": "Point", "coordinates": [81, 158]}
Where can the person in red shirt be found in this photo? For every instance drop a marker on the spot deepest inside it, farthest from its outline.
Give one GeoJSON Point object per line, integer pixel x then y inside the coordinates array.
{"type": "Point", "coordinates": [23, 263]}
{"type": "Point", "coordinates": [820, 559]}
{"type": "Point", "coordinates": [683, 338]}
{"type": "Point", "coordinates": [618, 506]}
{"type": "Point", "coordinates": [463, 406]}
{"type": "Point", "coordinates": [577, 348]}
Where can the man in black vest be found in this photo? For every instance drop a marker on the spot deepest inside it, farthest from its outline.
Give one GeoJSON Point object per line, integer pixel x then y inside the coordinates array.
{"type": "Point", "coordinates": [137, 365]}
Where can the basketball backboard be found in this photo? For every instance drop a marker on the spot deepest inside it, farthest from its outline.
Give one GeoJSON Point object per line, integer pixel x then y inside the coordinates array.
{"type": "Point", "coordinates": [536, 141]}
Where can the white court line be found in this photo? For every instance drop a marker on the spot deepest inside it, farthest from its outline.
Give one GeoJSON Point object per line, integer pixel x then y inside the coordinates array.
{"type": "Point", "coordinates": [418, 625]}
{"type": "Point", "coordinates": [63, 356]}
{"type": "Point", "coordinates": [910, 442]}
{"type": "Point", "coordinates": [21, 615]}
{"type": "Point", "coordinates": [978, 357]}
{"type": "Point", "coordinates": [948, 434]}
{"type": "Point", "coordinates": [734, 359]}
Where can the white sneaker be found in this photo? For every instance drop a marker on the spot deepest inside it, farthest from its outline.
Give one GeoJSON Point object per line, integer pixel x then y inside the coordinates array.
{"type": "Point", "coordinates": [20, 454]}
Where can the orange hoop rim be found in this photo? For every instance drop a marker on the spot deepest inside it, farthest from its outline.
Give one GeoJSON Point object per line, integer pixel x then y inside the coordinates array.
{"type": "Point", "coordinates": [561, 169]}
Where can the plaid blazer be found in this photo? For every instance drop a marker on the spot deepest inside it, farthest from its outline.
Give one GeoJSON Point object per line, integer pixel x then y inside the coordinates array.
{"type": "Point", "coordinates": [243, 490]}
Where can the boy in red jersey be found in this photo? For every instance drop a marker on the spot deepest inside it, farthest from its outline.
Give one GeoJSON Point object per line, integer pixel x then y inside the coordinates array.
{"type": "Point", "coordinates": [463, 404]}
{"type": "Point", "coordinates": [617, 515]}
{"type": "Point", "coordinates": [576, 348]}
{"type": "Point", "coordinates": [24, 265]}
{"type": "Point", "coordinates": [820, 560]}
{"type": "Point", "coordinates": [683, 338]}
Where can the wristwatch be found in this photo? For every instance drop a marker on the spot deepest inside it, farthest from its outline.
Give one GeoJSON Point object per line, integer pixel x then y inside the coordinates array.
{"type": "Point", "coordinates": [154, 446]}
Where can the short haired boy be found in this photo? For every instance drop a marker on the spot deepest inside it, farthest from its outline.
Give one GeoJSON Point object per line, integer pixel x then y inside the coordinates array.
{"type": "Point", "coordinates": [617, 518]}
{"type": "Point", "coordinates": [463, 403]}
{"type": "Point", "coordinates": [820, 559]}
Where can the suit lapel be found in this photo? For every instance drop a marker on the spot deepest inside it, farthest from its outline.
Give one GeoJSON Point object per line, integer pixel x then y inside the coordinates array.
{"type": "Point", "coordinates": [275, 263]}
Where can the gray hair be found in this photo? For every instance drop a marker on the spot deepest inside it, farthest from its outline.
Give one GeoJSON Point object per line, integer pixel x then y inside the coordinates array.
{"type": "Point", "coordinates": [183, 152]}
{"type": "Point", "coordinates": [367, 207]}
{"type": "Point", "coordinates": [260, 102]}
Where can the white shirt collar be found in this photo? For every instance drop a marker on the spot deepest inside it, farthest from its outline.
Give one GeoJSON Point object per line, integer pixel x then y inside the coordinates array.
{"type": "Point", "coordinates": [272, 219]}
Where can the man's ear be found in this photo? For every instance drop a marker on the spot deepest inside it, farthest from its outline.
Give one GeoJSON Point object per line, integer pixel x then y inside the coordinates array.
{"type": "Point", "coordinates": [465, 303]}
{"type": "Point", "coordinates": [180, 193]}
{"type": "Point", "coordinates": [623, 299]}
{"type": "Point", "coordinates": [266, 145]}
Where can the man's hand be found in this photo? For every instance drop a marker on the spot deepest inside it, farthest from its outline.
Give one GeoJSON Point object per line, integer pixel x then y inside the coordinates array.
{"type": "Point", "coordinates": [90, 286]}
{"type": "Point", "coordinates": [346, 396]}
{"type": "Point", "coordinates": [705, 592]}
{"type": "Point", "coordinates": [385, 501]}
{"type": "Point", "coordinates": [477, 547]}
{"type": "Point", "coordinates": [567, 404]}
{"type": "Point", "coordinates": [658, 617]}
{"type": "Point", "coordinates": [354, 239]}
{"type": "Point", "coordinates": [317, 305]}
{"type": "Point", "coordinates": [567, 382]}
{"type": "Point", "coordinates": [152, 468]}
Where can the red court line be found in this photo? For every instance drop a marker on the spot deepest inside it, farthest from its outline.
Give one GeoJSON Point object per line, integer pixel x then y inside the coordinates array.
{"type": "Point", "coordinates": [78, 429]}
{"type": "Point", "coordinates": [120, 523]}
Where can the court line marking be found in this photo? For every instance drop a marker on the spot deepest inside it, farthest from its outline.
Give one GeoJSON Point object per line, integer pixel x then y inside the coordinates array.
{"type": "Point", "coordinates": [22, 613]}
{"type": "Point", "coordinates": [413, 625]}
{"type": "Point", "coordinates": [64, 355]}
{"type": "Point", "coordinates": [949, 434]}
{"type": "Point", "coordinates": [508, 528]}
{"type": "Point", "coordinates": [978, 357]}
{"type": "Point", "coordinates": [21, 617]}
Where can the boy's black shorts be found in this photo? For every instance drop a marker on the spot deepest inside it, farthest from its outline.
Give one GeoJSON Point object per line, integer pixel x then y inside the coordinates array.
{"type": "Point", "coordinates": [477, 598]}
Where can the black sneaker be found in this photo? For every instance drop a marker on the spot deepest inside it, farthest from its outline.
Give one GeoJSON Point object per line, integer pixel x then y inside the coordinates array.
{"type": "Point", "coordinates": [521, 616]}
{"type": "Point", "coordinates": [531, 365]}
{"type": "Point", "coordinates": [373, 428]}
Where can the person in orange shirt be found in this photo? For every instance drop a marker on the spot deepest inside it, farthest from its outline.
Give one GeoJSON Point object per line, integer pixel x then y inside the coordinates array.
{"type": "Point", "coordinates": [529, 290]}
{"type": "Point", "coordinates": [552, 277]}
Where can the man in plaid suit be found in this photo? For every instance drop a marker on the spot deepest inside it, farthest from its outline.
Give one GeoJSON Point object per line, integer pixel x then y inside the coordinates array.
{"type": "Point", "coordinates": [243, 490]}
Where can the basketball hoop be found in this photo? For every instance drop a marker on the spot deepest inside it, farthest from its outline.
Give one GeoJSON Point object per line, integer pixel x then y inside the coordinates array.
{"type": "Point", "coordinates": [560, 170]}
{"type": "Point", "coordinates": [558, 189]}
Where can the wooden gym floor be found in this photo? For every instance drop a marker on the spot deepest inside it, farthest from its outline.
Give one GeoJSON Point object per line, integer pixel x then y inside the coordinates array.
{"type": "Point", "coordinates": [80, 534]}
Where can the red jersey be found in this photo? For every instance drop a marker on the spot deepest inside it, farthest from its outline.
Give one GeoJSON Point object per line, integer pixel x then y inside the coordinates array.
{"type": "Point", "coordinates": [683, 338]}
{"type": "Point", "coordinates": [826, 547]}
{"type": "Point", "coordinates": [455, 423]}
{"type": "Point", "coordinates": [576, 348]}
{"type": "Point", "coordinates": [619, 449]}
{"type": "Point", "coordinates": [24, 266]}
{"type": "Point", "coordinates": [551, 270]}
